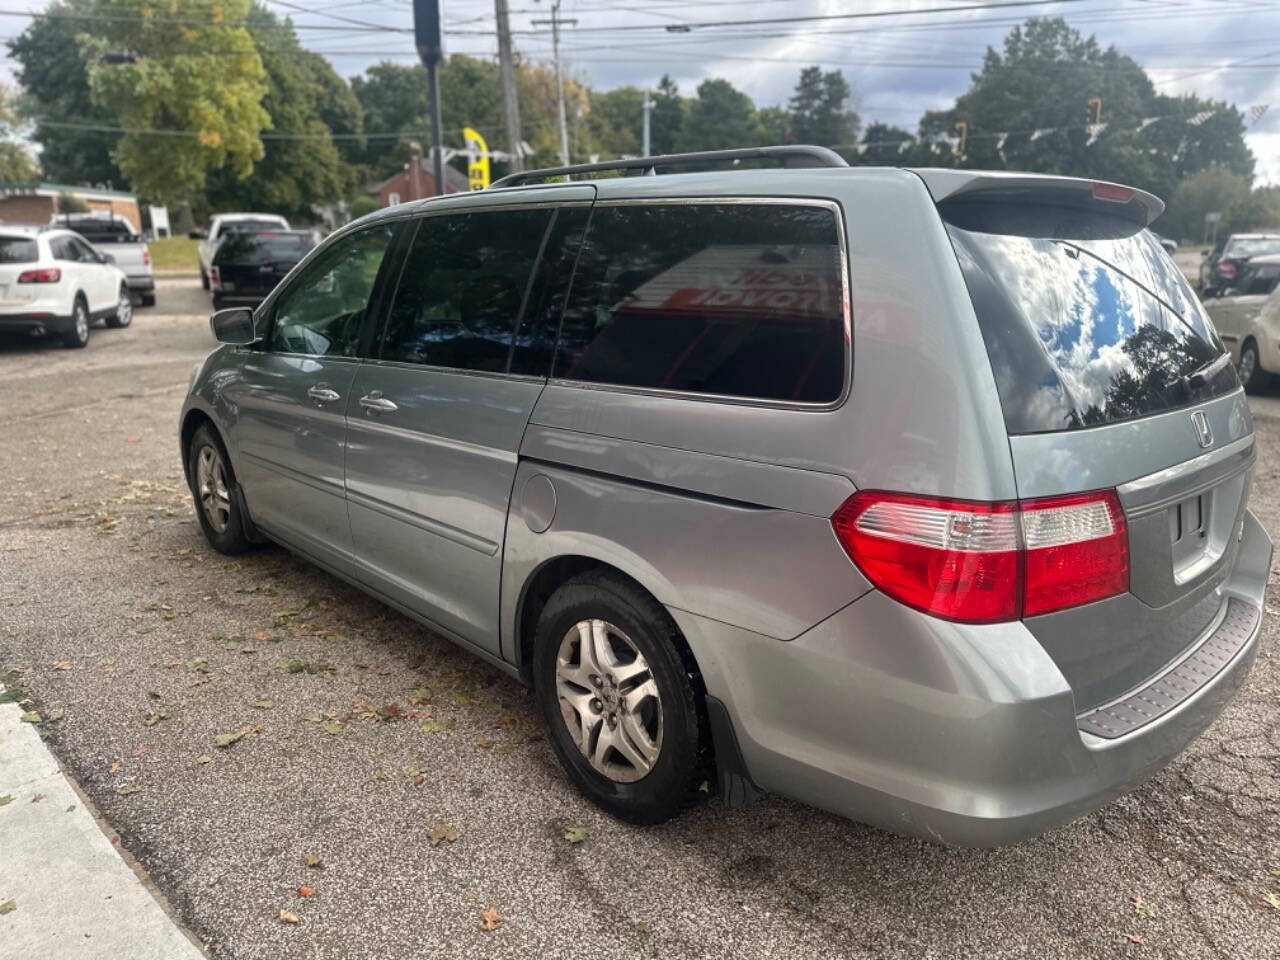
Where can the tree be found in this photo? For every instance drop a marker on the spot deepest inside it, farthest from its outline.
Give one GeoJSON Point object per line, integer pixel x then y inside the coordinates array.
{"type": "Point", "coordinates": [300, 164]}
{"type": "Point", "coordinates": [666, 118]}
{"type": "Point", "coordinates": [1212, 190]}
{"type": "Point", "coordinates": [721, 117]}
{"type": "Point", "coordinates": [614, 122]}
{"type": "Point", "coordinates": [197, 72]}
{"type": "Point", "coordinates": [818, 109]}
{"type": "Point", "coordinates": [55, 87]}
{"type": "Point", "coordinates": [340, 110]}
{"type": "Point", "coordinates": [16, 165]}
{"type": "Point", "coordinates": [1043, 80]}
{"type": "Point", "coordinates": [773, 127]}
{"type": "Point", "coordinates": [883, 145]}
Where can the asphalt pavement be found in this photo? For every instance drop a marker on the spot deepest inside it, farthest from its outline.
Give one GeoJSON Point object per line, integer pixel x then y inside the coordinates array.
{"type": "Point", "coordinates": [283, 731]}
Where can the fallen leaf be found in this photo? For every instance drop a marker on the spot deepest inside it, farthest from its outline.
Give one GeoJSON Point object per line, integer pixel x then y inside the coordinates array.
{"type": "Point", "coordinates": [463, 697]}
{"type": "Point", "coordinates": [248, 649]}
{"type": "Point", "coordinates": [6, 800]}
{"type": "Point", "coordinates": [332, 727]}
{"type": "Point", "coordinates": [125, 791]}
{"type": "Point", "coordinates": [37, 798]}
{"type": "Point", "coordinates": [1272, 899]}
{"type": "Point", "coordinates": [132, 439]}
{"type": "Point", "coordinates": [8, 907]}
{"type": "Point", "coordinates": [225, 740]}
{"type": "Point", "coordinates": [56, 715]}
{"type": "Point", "coordinates": [413, 770]}
{"type": "Point", "coordinates": [62, 664]}
{"type": "Point", "coordinates": [335, 638]}
{"type": "Point", "coordinates": [303, 665]}
{"type": "Point", "coordinates": [153, 695]}
{"type": "Point", "coordinates": [139, 750]}
{"type": "Point", "coordinates": [263, 704]}
{"type": "Point", "coordinates": [490, 919]}
{"type": "Point", "coordinates": [442, 832]}
{"type": "Point", "coordinates": [199, 664]}
{"type": "Point", "coordinates": [1142, 908]}
{"type": "Point", "coordinates": [31, 716]}
{"type": "Point", "coordinates": [153, 718]}
{"type": "Point", "coordinates": [114, 768]}
{"type": "Point", "coordinates": [305, 891]}
{"type": "Point", "coordinates": [505, 720]}
{"type": "Point", "coordinates": [314, 861]}
{"type": "Point", "coordinates": [484, 743]}
{"type": "Point", "coordinates": [287, 917]}
{"type": "Point", "coordinates": [1133, 937]}
{"type": "Point", "coordinates": [576, 834]}
{"type": "Point", "coordinates": [419, 695]}
{"type": "Point", "coordinates": [434, 726]}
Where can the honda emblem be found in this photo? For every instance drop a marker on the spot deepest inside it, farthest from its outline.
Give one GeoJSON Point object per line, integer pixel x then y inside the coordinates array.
{"type": "Point", "coordinates": [1204, 434]}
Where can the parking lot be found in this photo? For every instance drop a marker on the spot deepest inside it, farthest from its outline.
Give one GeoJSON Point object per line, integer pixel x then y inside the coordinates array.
{"type": "Point", "coordinates": [415, 779]}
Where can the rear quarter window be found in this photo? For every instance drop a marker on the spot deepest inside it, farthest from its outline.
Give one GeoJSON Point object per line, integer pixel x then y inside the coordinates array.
{"type": "Point", "coordinates": [730, 299]}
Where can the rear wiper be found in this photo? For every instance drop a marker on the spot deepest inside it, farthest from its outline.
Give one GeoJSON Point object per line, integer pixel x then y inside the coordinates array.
{"type": "Point", "coordinates": [1202, 375]}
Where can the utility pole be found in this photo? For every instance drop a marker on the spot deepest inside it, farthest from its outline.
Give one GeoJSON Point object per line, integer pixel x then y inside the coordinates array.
{"type": "Point", "coordinates": [555, 23]}
{"type": "Point", "coordinates": [648, 108]}
{"type": "Point", "coordinates": [428, 29]}
{"type": "Point", "coordinates": [507, 71]}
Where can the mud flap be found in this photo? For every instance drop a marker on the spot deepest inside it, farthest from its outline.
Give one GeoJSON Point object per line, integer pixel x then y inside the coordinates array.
{"type": "Point", "coordinates": [737, 789]}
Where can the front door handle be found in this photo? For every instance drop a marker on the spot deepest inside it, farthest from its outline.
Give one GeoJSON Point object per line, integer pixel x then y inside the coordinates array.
{"type": "Point", "coordinates": [375, 402]}
{"type": "Point", "coordinates": [323, 393]}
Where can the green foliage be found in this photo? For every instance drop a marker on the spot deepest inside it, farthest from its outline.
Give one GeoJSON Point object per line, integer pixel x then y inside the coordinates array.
{"type": "Point", "coordinates": [55, 88]}
{"type": "Point", "coordinates": [70, 203]}
{"type": "Point", "coordinates": [197, 71]}
{"type": "Point", "coordinates": [1217, 189]}
{"type": "Point", "coordinates": [721, 117]}
{"type": "Point", "coordinates": [614, 122]}
{"type": "Point", "coordinates": [362, 205]}
{"type": "Point", "coordinates": [16, 165]}
{"type": "Point", "coordinates": [819, 110]}
{"type": "Point", "coordinates": [666, 119]}
{"type": "Point", "coordinates": [300, 164]}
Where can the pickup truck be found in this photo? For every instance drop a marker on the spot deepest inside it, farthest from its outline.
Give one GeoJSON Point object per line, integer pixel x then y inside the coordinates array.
{"type": "Point", "coordinates": [113, 236]}
{"type": "Point", "coordinates": [223, 223]}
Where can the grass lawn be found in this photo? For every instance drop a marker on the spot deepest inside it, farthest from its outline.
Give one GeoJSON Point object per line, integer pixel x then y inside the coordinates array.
{"type": "Point", "coordinates": [174, 253]}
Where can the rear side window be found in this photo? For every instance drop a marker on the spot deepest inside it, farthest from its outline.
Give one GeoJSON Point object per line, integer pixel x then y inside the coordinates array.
{"type": "Point", "coordinates": [462, 287]}
{"type": "Point", "coordinates": [733, 299]}
{"type": "Point", "coordinates": [18, 250]}
{"type": "Point", "coordinates": [1086, 320]}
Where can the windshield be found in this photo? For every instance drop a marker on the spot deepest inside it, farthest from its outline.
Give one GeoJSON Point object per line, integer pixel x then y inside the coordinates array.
{"type": "Point", "coordinates": [1240, 249]}
{"type": "Point", "coordinates": [1086, 326]}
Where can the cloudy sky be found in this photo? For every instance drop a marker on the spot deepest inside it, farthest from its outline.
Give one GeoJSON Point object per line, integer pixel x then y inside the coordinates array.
{"type": "Point", "coordinates": [902, 57]}
{"type": "Point", "coordinates": [909, 56]}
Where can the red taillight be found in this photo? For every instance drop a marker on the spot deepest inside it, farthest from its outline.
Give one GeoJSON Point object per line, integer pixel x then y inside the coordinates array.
{"type": "Point", "coordinates": [1227, 268]}
{"type": "Point", "coordinates": [215, 278]}
{"type": "Point", "coordinates": [987, 562]}
{"type": "Point", "coordinates": [1113, 192]}
{"type": "Point", "coordinates": [146, 256]}
{"type": "Point", "coordinates": [43, 275]}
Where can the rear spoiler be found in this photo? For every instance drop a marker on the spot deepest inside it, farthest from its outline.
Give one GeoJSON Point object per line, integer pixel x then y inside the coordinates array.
{"type": "Point", "coordinates": [1099, 196]}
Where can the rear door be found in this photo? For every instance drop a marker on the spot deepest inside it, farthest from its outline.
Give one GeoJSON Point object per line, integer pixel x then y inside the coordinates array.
{"type": "Point", "coordinates": [291, 391]}
{"type": "Point", "coordinates": [438, 411]}
{"type": "Point", "coordinates": [1111, 376]}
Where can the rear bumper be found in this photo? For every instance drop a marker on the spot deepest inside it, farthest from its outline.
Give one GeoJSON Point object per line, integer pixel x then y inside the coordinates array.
{"type": "Point", "coordinates": [140, 282]}
{"type": "Point", "coordinates": [966, 735]}
{"type": "Point", "coordinates": [35, 323]}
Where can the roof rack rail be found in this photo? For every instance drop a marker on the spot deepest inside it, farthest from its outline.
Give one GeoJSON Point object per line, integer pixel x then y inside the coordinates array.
{"type": "Point", "coordinates": [790, 156]}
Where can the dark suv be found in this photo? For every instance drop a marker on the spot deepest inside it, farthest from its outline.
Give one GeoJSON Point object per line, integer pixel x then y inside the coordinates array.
{"type": "Point", "coordinates": [1220, 265]}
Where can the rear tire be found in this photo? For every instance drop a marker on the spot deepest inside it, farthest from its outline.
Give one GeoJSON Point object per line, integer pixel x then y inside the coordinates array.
{"type": "Point", "coordinates": [213, 487]}
{"type": "Point", "coordinates": [631, 689]}
{"type": "Point", "coordinates": [1252, 377]}
{"type": "Point", "coordinates": [124, 310]}
{"type": "Point", "coordinates": [78, 336]}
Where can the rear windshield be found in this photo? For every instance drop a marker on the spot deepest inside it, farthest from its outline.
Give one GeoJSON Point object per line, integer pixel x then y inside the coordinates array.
{"type": "Point", "coordinates": [1242, 248]}
{"type": "Point", "coordinates": [18, 250]}
{"type": "Point", "coordinates": [1086, 319]}
{"type": "Point", "coordinates": [103, 231]}
{"type": "Point", "coordinates": [258, 248]}
{"type": "Point", "coordinates": [248, 226]}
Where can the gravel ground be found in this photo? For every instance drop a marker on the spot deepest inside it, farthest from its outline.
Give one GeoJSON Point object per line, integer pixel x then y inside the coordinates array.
{"type": "Point", "coordinates": [119, 620]}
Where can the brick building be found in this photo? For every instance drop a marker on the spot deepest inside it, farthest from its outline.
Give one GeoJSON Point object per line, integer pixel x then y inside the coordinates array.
{"type": "Point", "coordinates": [36, 203]}
{"type": "Point", "coordinates": [416, 181]}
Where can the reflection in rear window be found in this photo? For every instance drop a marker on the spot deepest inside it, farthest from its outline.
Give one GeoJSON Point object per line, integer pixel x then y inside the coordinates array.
{"type": "Point", "coordinates": [743, 300]}
{"type": "Point", "coordinates": [17, 250]}
{"type": "Point", "coordinates": [1084, 332]}
{"type": "Point", "coordinates": [258, 248]}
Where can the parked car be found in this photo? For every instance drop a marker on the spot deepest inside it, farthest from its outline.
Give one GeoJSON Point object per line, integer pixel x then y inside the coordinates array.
{"type": "Point", "coordinates": [1170, 246]}
{"type": "Point", "coordinates": [933, 515]}
{"type": "Point", "coordinates": [114, 237]}
{"type": "Point", "coordinates": [1247, 317]}
{"type": "Point", "coordinates": [53, 282]}
{"type": "Point", "coordinates": [223, 223]}
{"type": "Point", "coordinates": [1219, 266]}
{"type": "Point", "coordinates": [247, 266]}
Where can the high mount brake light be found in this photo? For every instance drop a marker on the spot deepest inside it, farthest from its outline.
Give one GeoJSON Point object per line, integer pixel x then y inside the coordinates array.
{"type": "Point", "coordinates": [988, 562]}
{"type": "Point", "coordinates": [1112, 192]}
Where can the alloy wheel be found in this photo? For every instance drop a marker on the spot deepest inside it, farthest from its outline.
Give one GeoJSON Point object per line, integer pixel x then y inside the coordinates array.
{"type": "Point", "coordinates": [609, 700]}
{"type": "Point", "coordinates": [211, 484]}
{"type": "Point", "coordinates": [124, 309]}
{"type": "Point", "coordinates": [82, 322]}
{"type": "Point", "coordinates": [1248, 363]}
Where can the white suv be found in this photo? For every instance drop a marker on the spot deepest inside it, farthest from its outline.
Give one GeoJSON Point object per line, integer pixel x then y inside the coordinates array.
{"type": "Point", "coordinates": [53, 282]}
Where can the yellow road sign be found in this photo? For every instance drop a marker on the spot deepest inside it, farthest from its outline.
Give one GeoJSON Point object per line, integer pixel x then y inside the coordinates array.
{"type": "Point", "coordinates": [478, 168]}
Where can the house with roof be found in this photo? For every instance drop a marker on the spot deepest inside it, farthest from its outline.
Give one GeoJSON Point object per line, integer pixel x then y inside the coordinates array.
{"type": "Point", "coordinates": [37, 202]}
{"type": "Point", "coordinates": [417, 181]}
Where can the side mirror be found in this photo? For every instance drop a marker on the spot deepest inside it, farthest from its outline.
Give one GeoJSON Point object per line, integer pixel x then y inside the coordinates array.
{"type": "Point", "coordinates": [196, 234]}
{"type": "Point", "coordinates": [107, 258]}
{"type": "Point", "coordinates": [233, 325]}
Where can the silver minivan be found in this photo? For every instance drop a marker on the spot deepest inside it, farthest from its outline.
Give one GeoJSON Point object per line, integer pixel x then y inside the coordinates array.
{"type": "Point", "coordinates": [916, 495]}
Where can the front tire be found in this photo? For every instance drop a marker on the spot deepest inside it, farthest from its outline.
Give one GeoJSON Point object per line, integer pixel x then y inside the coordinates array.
{"type": "Point", "coordinates": [124, 310]}
{"type": "Point", "coordinates": [78, 336]}
{"type": "Point", "coordinates": [212, 485]}
{"type": "Point", "coordinates": [1252, 377]}
{"type": "Point", "coordinates": [617, 698]}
